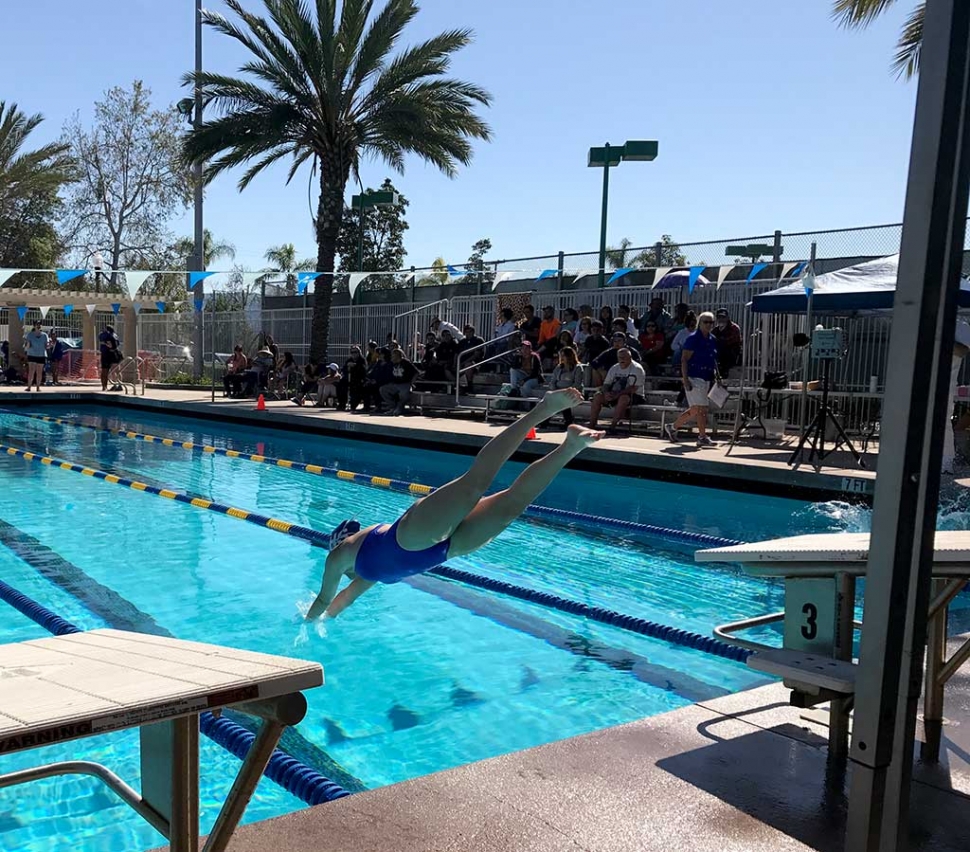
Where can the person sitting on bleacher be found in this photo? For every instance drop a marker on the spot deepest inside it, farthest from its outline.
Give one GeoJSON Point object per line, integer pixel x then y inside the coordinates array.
{"type": "Point", "coordinates": [525, 375]}
{"type": "Point", "coordinates": [569, 373]}
{"type": "Point", "coordinates": [284, 373]}
{"type": "Point", "coordinates": [327, 383]}
{"type": "Point", "coordinates": [308, 382]}
{"type": "Point", "coordinates": [256, 377]}
{"type": "Point", "coordinates": [235, 367]}
{"type": "Point", "coordinates": [471, 340]}
{"type": "Point", "coordinates": [377, 376]}
{"type": "Point", "coordinates": [438, 326]}
{"type": "Point", "coordinates": [530, 325]}
{"type": "Point", "coordinates": [446, 353]}
{"type": "Point", "coordinates": [619, 325]}
{"type": "Point", "coordinates": [654, 347]}
{"type": "Point", "coordinates": [623, 387]}
{"type": "Point", "coordinates": [602, 364]}
{"type": "Point", "coordinates": [595, 344]}
{"type": "Point", "coordinates": [397, 392]}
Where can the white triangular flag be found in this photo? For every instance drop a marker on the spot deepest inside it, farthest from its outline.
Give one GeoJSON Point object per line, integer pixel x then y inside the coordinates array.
{"type": "Point", "coordinates": [134, 279]}
{"type": "Point", "coordinates": [659, 274]}
{"type": "Point", "coordinates": [7, 274]}
{"type": "Point", "coordinates": [722, 273]}
{"type": "Point", "coordinates": [786, 268]}
{"type": "Point", "coordinates": [249, 279]}
{"type": "Point", "coordinates": [582, 273]}
{"type": "Point", "coordinates": [354, 282]}
{"type": "Point", "coordinates": [91, 309]}
{"type": "Point", "coordinates": [44, 310]}
{"type": "Point", "coordinates": [502, 276]}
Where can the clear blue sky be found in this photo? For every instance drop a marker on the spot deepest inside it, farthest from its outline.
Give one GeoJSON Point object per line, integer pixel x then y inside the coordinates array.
{"type": "Point", "coordinates": [768, 116]}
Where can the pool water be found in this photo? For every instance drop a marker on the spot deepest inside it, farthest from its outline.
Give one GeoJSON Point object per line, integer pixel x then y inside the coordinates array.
{"type": "Point", "coordinates": [421, 676]}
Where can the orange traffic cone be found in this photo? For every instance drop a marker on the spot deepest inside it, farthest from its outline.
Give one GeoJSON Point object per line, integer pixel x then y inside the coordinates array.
{"type": "Point", "coordinates": [532, 434]}
{"type": "Point", "coordinates": [261, 403]}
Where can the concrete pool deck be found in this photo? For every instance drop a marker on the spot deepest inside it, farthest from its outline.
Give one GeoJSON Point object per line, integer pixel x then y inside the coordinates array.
{"type": "Point", "coordinates": [753, 465]}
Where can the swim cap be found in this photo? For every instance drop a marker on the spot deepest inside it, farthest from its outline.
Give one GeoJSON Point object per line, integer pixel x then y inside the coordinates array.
{"type": "Point", "coordinates": [342, 531]}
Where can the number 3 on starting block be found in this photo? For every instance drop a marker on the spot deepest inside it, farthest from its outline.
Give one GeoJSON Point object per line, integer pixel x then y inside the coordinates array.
{"type": "Point", "coordinates": [811, 615]}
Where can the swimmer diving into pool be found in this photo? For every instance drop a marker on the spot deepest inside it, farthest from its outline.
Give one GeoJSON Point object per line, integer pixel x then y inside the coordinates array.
{"type": "Point", "coordinates": [454, 520]}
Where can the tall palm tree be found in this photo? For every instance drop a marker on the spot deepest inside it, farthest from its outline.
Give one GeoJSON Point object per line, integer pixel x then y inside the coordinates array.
{"type": "Point", "coordinates": [26, 174]}
{"type": "Point", "coordinates": [283, 258]}
{"type": "Point", "coordinates": [861, 13]}
{"type": "Point", "coordinates": [212, 249]}
{"type": "Point", "coordinates": [326, 86]}
{"type": "Point", "coordinates": [616, 255]}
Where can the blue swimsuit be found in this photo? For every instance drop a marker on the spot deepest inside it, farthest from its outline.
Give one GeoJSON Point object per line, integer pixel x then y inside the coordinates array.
{"type": "Point", "coordinates": [381, 559]}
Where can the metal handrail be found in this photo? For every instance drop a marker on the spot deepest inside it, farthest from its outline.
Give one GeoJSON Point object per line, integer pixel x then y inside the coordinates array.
{"type": "Point", "coordinates": [119, 371]}
{"type": "Point", "coordinates": [415, 310]}
{"type": "Point", "coordinates": [458, 369]}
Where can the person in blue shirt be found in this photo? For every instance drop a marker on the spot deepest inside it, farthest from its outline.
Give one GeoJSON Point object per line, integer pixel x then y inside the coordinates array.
{"type": "Point", "coordinates": [55, 350]}
{"type": "Point", "coordinates": [452, 521]}
{"type": "Point", "coordinates": [698, 365]}
{"type": "Point", "coordinates": [36, 345]}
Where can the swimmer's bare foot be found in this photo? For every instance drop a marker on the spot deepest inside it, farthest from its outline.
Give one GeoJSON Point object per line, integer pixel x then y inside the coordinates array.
{"type": "Point", "coordinates": [556, 401]}
{"type": "Point", "coordinates": [579, 437]}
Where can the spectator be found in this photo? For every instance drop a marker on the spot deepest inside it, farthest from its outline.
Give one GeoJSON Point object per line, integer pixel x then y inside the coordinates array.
{"type": "Point", "coordinates": [585, 311]}
{"type": "Point", "coordinates": [110, 353]}
{"type": "Point", "coordinates": [657, 314]}
{"type": "Point", "coordinates": [623, 313]}
{"type": "Point", "coordinates": [397, 392]}
{"type": "Point", "coordinates": [601, 365]}
{"type": "Point", "coordinates": [270, 345]}
{"type": "Point", "coordinates": [728, 337]}
{"type": "Point", "coordinates": [530, 326]}
{"type": "Point", "coordinates": [308, 382]}
{"type": "Point", "coordinates": [257, 376]}
{"type": "Point", "coordinates": [377, 376]}
{"type": "Point", "coordinates": [284, 373]}
{"type": "Point", "coordinates": [548, 333]}
{"type": "Point", "coordinates": [327, 385]}
{"type": "Point", "coordinates": [620, 326]}
{"type": "Point", "coordinates": [677, 345]}
{"type": "Point", "coordinates": [506, 324]}
{"type": "Point", "coordinates": [470, 340]}
{"type": "Point", "coordinates": [439, 325]}
{"type": "Point", "coordinates": [372, 356]}
{"type": "Point", "coordinates": [569, 373]}
{"type": "Point", "coordinates": [5, 352]}
{"type": "Point", "coordinates": [55, 351]}
{"type": "Point", "coordinates": [391, 341]}
{"type": "Point", "coordinates": [526, 375]}
{"type": "Point", "coordinates": [654, 347]}
{"type": "Point", "coordinates": [596, 344]}
{"type": "Point", "coordinates": [446, 353]}
{"type": "Point", "coordinates": [570, 320]}
{"type": "Point", "coordinates": [350, 388]}
{"type": "Point", "coordinates": [677, 323]}
{"type": "Point", "coordinates": [582, 332]}
{"type": "Point", "coordinates": [623, 387]}
{"type": "Point", "coordinates": [699, 369]}
{"type": "Point", "coordinates": [36, 342]}
{"type": "Point", "coordinates": [235, 367]}
{"type": "Point", "coordinates": [606, 317]}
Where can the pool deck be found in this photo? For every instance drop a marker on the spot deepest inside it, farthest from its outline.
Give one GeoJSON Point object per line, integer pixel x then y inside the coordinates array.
{"type": "Point", "coordinates": [753, 465]}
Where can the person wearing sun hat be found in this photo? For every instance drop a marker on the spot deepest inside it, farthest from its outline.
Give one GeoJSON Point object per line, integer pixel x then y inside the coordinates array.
{"type": "Point", "coordinates": [961, 346]}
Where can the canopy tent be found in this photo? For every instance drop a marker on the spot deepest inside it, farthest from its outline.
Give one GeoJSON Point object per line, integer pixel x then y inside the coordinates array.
{"type": "Point", "coordinates": [864, 288]}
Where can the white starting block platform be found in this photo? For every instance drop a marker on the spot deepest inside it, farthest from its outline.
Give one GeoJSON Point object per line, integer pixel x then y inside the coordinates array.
{"type": "Point", "coordinates": [84, 684]}
{"type": "Point", "coordinates": [819, 572]}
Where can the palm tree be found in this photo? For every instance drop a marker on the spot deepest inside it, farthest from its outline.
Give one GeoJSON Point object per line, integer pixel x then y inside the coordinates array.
{"type": "Point", "coordinates": [616, 256]}
{"type": "Point", "coordinates": [283, 258]}
{"type": "Point", "coordinates": [325, 88]}
{"type": "Point", "coordinates": [212, 249]}
{"type": "Point", "coordinates": [861, 13]}
{"type": "Point", "coordinates": [27, 174]}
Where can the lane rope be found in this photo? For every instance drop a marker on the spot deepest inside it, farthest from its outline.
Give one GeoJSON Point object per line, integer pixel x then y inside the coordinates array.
{"type": "Point", "coordinates": [295, 777]}
{"type": "Point", "coordinates": [387, 483]}
{"type": "Point", "coordinates": [642, 626]}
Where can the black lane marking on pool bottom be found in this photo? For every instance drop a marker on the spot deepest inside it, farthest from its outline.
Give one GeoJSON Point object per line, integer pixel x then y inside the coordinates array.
{"type": "Point", "coordinates": [121, 614]}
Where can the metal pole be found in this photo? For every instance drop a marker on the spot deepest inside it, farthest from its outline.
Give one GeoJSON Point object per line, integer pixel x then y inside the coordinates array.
{"type": "Point", "coordinates": [807, 360]}
{"type": "Point", "coordinates": [560, 270]}
{"type": "Point", "coordinates": [212, 338]}
{"type": "Point", "coordinates": [601, 276]}
{"type": "Point", "coordinates": [360, 237]}
{"type": "Point", "coordinates": [776, 248]}
{"type": "Point", "coordinates": [915, 412]}
{"type": "Point", "coordinates": [199, 265]}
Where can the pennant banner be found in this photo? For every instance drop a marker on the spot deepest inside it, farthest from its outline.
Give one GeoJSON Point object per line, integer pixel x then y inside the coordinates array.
{"type": "Point", "coordinates": [547, 273]}
{"type": "Point", "coordinates": [91, 309]}
{"type": "Point", "coordinates": [455, 273]}
{"type": "Point", "coordinates": [660, 274]}
{"type": "Point", "coordinates": [755, 270]}
{"type": "Point", "coordinates": [619, 274]}
{"type": "Point", "coordinates": [695, 273]}
{"type": "Point", "coordinates": [68, 310]}
{"type": "Point", "coordinates": [722, 273]}
{"type": "Point", "coordinates": [65, 275]}
{"type": "Point", "coordinates": [199, 305]}
{"type": "Point", "coordinates": [136, 307]}
{"type": "Point", "coordinates": [160, 306]}
{"type": "Point", "coordinates": [178, 304]}
{"type": "Point", "coordinates": [116, 308]}
{"type": "Point", "coordinates": [134, 281]}
{"type": "Point", "coordinates": [799, 269]}
{"type": "Point", "coordinates": [354, 282]}
{"type": "Point", "coordinates": [502, 276]}
{"type": "Point", "coordinates": [303, 280]}
{"type": "Point", "coordinates": [810, 283]}
{"type": "Point", "coordinates": [582, 273]}
{"type": "Point", "coordinates": [249, 279]}
{"type": "Point", "coordinates": [196, 277]}
{"type": "Point", "coordinates": [45, 309]}
{"type": "Point", "coordinates": [7, 274]}
{"type": "Point", "coordinates": [786, 268]}
{"type": "Point", "coordinates": [22, 312]}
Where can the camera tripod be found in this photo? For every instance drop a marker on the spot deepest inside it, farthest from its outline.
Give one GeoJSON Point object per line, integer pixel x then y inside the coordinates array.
{"type": "Point", "coordinates": [815, 431]}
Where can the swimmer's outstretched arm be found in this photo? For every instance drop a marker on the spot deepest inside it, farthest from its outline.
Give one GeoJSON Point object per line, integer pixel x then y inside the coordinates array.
{"type": "Point", "coordinates": [356, 588]}
{"type": "Point", "coordinates": [340, 561]}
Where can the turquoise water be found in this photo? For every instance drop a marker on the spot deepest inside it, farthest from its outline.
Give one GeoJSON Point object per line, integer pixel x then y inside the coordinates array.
{"type": "Point", "coordinates": [420, 677]}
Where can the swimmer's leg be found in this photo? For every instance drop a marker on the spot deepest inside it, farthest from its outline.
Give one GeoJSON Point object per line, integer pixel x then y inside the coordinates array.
{"type": "Point", "coordinates": [438, 515]}
{"type": "Point", "coordinates": [495, 512]}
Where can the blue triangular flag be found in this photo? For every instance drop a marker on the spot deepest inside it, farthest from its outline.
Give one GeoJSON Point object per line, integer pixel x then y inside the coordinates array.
{"type": "Point", "coordinates": [619, 274]}
{"type": "Point", "coordinates": [199, 304]}
{"type": "Point", "coordinates": [547, 273]}
{"type": "Point", "coordinates": [160, 306]}
{"type": "Point", "coordinates": [303, 280]}
{"type": "Point", "coordinates": [809, 283]}
{"type": "Point", "coordinates": [695, 273]}
{"type": "Point", "coordinates": [22, 312]}
{"type": "Point", "coordinates": [196, 277]}
{"type": "Point", "coordinates": [65, 275]}
{"type": "Point", "coordinates": [798, 270]}
{"type": "Point", "coordinates": [755, 270]}
{"type": "Point", "coordinates": [116, 308]}
{"type": "Point", "coordinates": [136, 307]}
{"type": "Point", "coordinates": [454, 272]}
{"type": "Point", "coordinates": [68, 309]}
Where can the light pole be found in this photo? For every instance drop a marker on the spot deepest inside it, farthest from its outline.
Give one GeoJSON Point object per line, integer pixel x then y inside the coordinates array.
{"type": "Point", "coordinates": [98, 266]}
{"type": "Point", "coordinates": [371, 198]}
{"type": "Point", "coordinates": [606, 158]}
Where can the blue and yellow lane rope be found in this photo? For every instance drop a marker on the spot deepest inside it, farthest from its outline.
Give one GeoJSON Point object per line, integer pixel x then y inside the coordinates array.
{"type": "Point", "coordinates": [416, 489]}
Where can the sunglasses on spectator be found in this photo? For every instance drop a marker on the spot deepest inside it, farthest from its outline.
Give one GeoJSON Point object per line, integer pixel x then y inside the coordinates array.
{"type": "Point", "coordinates": [707, 322]}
